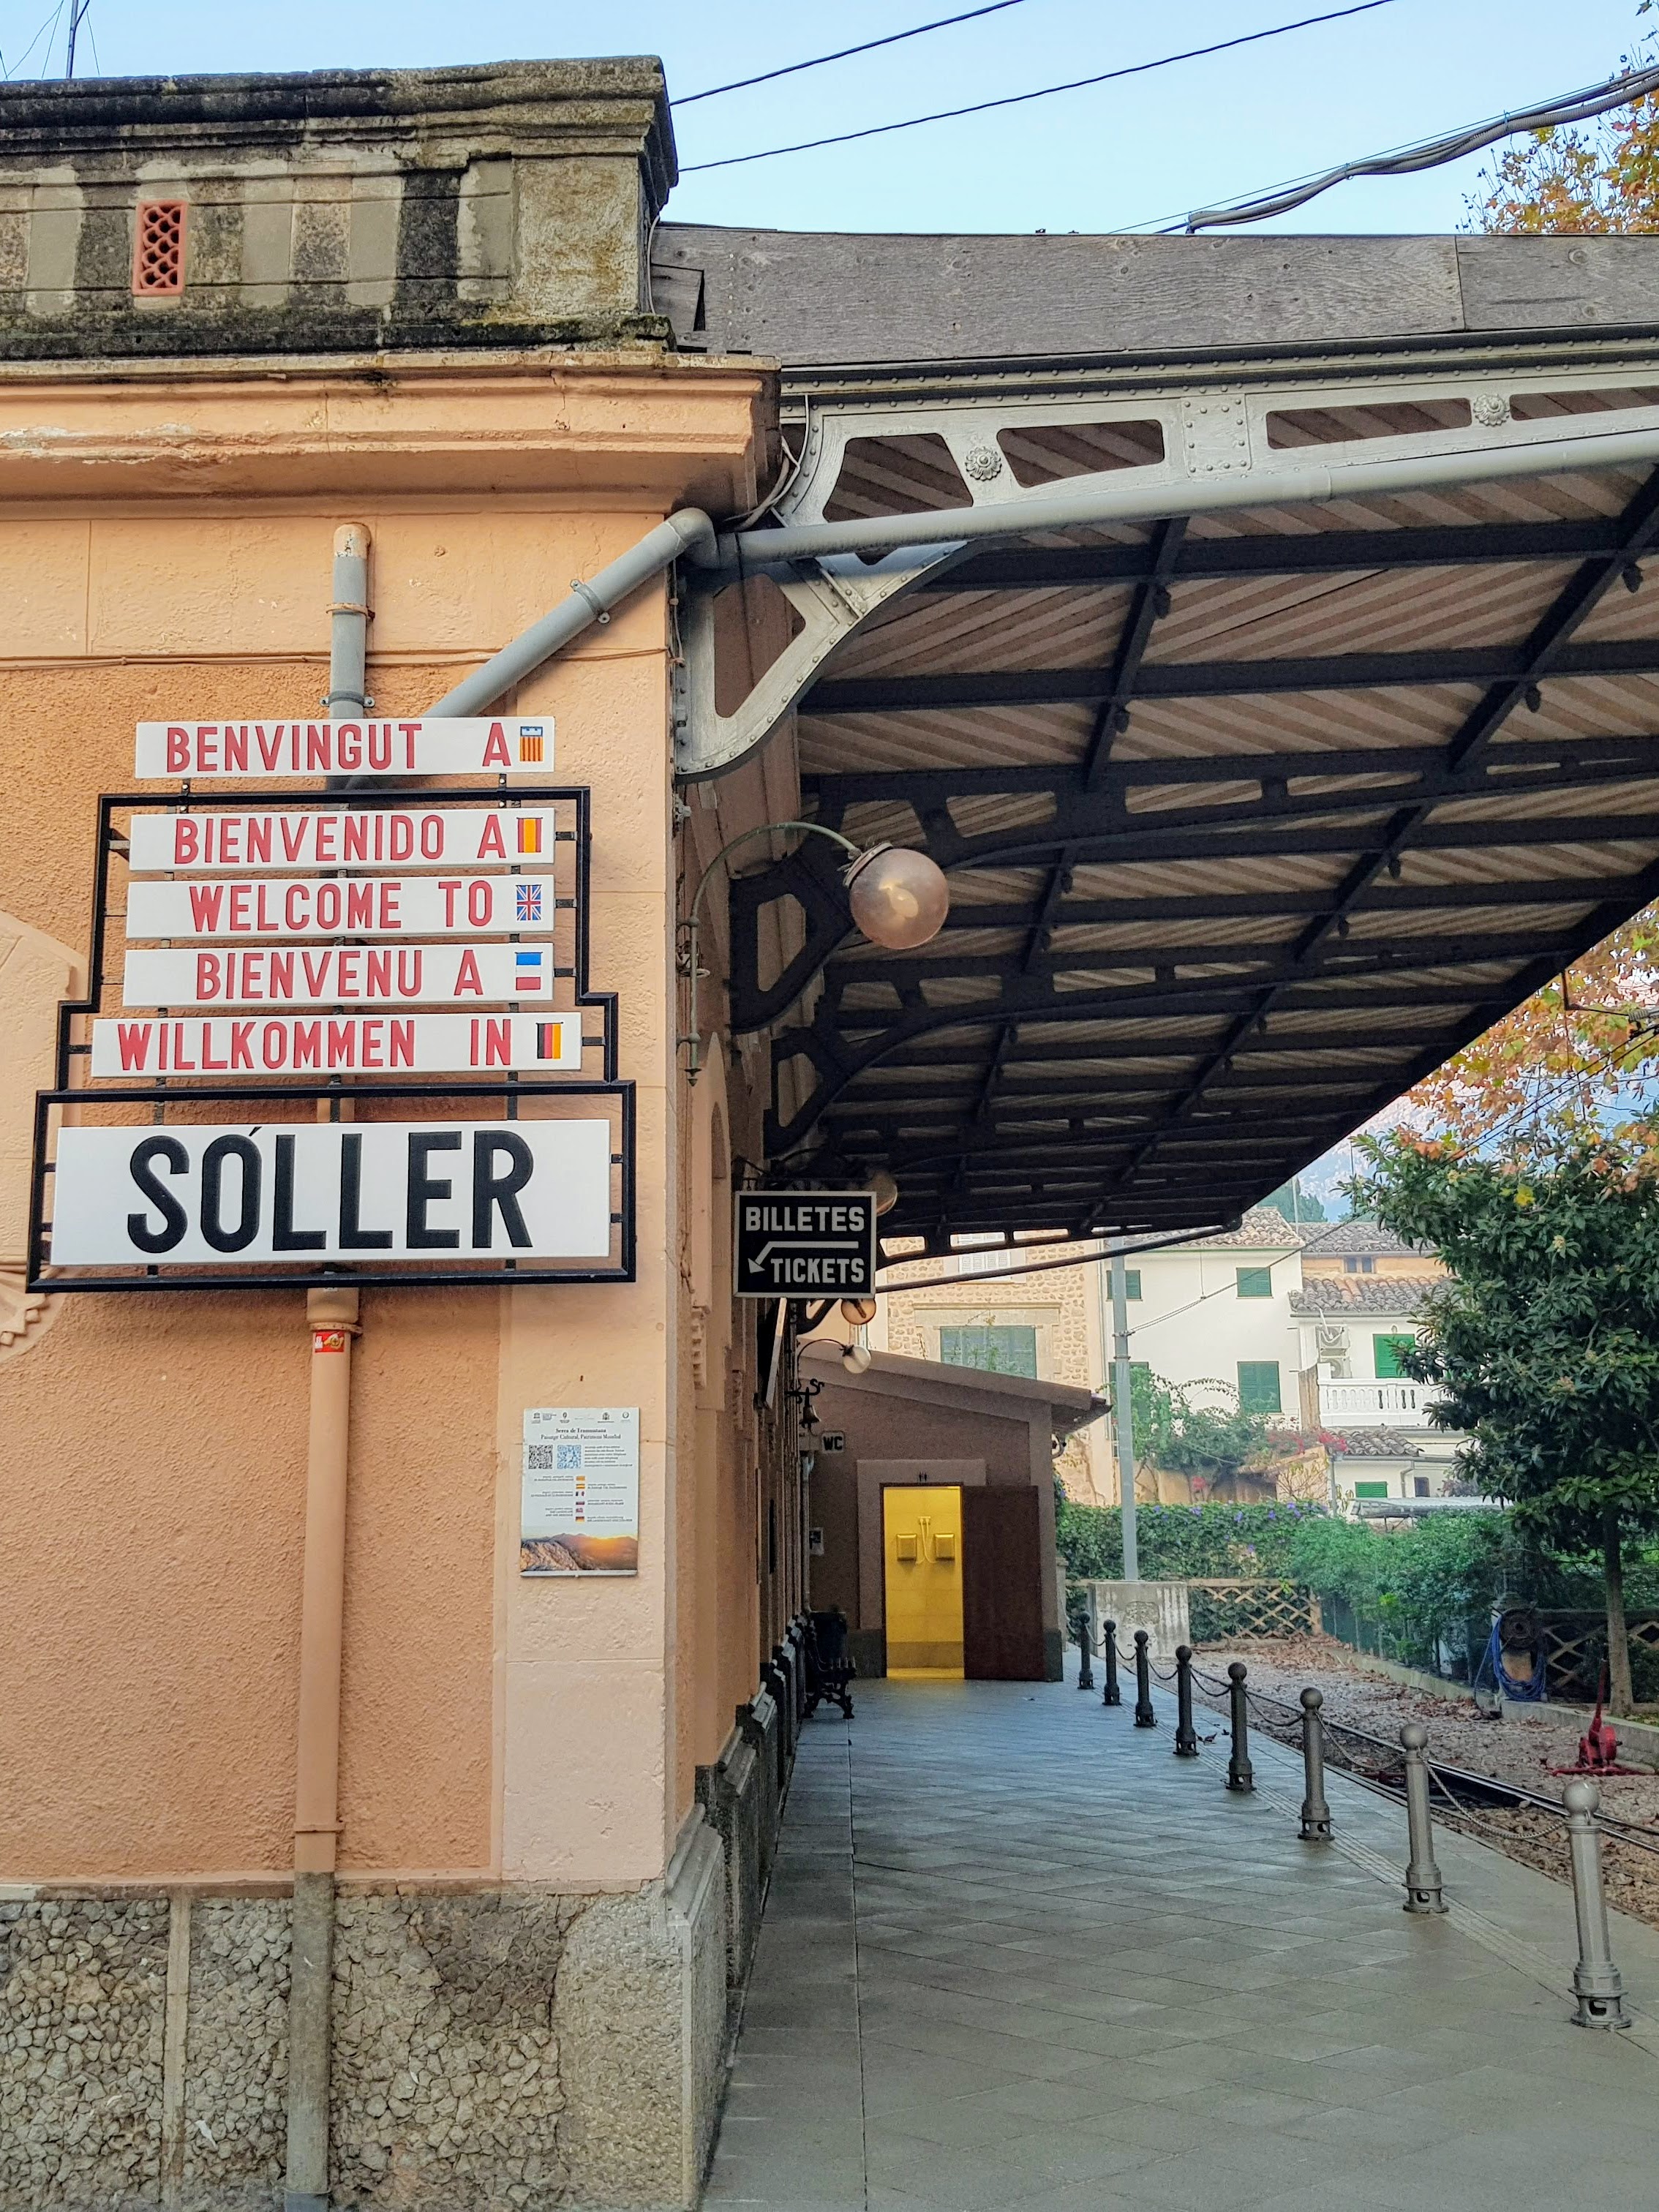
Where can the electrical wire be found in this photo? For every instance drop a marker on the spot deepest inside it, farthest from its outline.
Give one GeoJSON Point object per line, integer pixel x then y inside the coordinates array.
{"type": "Point", "coordinates": [1430, 153]}
{"type": "Point", "coordinates": [1043, 92]}
{"type": "Point", "coordinates": [50, 28]}
{"type": "Point", "coordinates": [845, 53]}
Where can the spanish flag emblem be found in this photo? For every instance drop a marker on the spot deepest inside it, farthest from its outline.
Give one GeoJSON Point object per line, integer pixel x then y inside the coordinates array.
{"type": "Point", "coordinates": [530, 833]}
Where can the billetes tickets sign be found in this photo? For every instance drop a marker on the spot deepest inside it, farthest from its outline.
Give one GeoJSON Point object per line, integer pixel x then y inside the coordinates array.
{"type": "Point", "coordinates": [339, 976]}
{"type": "Point", "coordinates": [228, 1194]}
{"type": "Point", "coordinates": [805, 1244]}
{"type": "Point", "coordinates": [237, 839]}
{"type": "Point", "coordinates": [340, 906]}
{"type": "Point", "coordinates": [288, 1044]}
{"type": "Point", "coordinates": [423, 746]}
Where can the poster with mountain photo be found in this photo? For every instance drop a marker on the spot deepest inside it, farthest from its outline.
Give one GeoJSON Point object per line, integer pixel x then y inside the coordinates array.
{"type": "Point", "coordinates": [580, 1512]}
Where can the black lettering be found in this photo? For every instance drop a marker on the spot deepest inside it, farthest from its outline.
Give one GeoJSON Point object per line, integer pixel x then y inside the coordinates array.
{"type": "Point", "coordinates": [423, 1189]}
{"type": "Point", "coordinates": [354, 1237]}
{"type": "Point", "coordinates": [173, 1215]}
{"type": "Point", "coordinates": [284, 1236]}
{"type": "Point", "coordinates": [237, 1237]}
{"type": "Point", "coordinates": [500, 1192]}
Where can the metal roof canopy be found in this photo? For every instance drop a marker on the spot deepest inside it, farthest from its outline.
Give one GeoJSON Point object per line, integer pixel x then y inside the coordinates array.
{"type": "Point", "coordinates": [1252, 815]}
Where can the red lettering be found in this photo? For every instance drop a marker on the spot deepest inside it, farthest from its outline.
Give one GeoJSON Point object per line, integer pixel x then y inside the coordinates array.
{"type": "Point", "coordinates": [492, 846]}
{"type": "Point", "coordinates": [349, 744]}
{"type": "Point", "coordinates": [378, 985]}
{"type": "Point", "coordinates": [409, 972]}
{"type": "Point", "coordinates": [205, 902]}
{"type": "Point", "coordinates": [206, 1040]}
{"type": "Point", "coordinates": [240, 898]}
{"type": "Point", "coordinates": [282, 974]}
{"type": "Point", "coordinates": [400, 838]}
{"type": "Point", "coordinates": [373, 1044]}
{"type": "Point", "coordinates": [207, 754]}
{"type": "Point", "coordinates": [178, 751]}
{"type": "Point", "coordinates": [270, 752]}
{"type": "Point", "coordinates": [359, 906]}
{"type": "Point", "coordinates": [207, 974]}
{"type": "Point", "coordinates": [480, 901]}
{"type": "Point", "coordinates": [254, 974]}
{"type": "Point", "coordinates": [411, 731]}
{"type": "Point", "coordinates": [235, 745]}
{"type": "Point", "coordinates": [347, 966]}
{"type": "Point", "coordinates": [468, 981]}
{"type": "Point", "coordinates": [262, 921]}
{"type": "Point", "coordinates": [495, 754]}
{"type": "Point", "coordinates": [274, 1034]}
{"type": "Point", "coordinates": [241, 1056]}
{"type": "Point", "coordinates": [328, 828]}
{"type": "Point", "coordinates": [293, 836]}
{"type": "Point", "coordinates": [185, 842]}
{"type": "Point", "coordinates": [318, 748]}
{"type": "Point", "coordinates": [294, 905]}
{"type": "Point", "coordinates": [380, 745]}
{"type": "Point", "coordinates": [432, 836]}
{"type": "Point", "coordinates": [230, 842]}
{"type": "Point", "coordinates": [403, 1044]}
{"type": "Point", "coordinates": [133, 1040]}
{"type": "Point", "coordinates": [474, 1062]}
{"type": "Point", "coordinates": [498, 1042]}
{"type": "Point", "coordinates": [258, 839]}
{"type": "Point", "coordinates": [308, 1044]}
{"type": "Point", "coordinates": [356, 837]}
{"type": "Point", "coordinates": [342, 1044]}
{"type": "Point", "coordinates": [390, 917]}
{"type": "Point", "coordinates": [184, 1065]}
{"type": "Point", "coordinates": [449, 886]}
{"type": "Point", "coordinates": [325, 907]}
{"type": "Point", "coordinates": [315, 966]}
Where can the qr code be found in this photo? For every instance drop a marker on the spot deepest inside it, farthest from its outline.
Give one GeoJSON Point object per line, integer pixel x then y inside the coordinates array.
{"type": "Point", "coordinates": [570, 1455]}
{"type": "Point", "coordinates": [538, 1458]}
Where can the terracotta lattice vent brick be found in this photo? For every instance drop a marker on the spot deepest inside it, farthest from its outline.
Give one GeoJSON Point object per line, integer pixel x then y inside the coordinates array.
{"type": "Point", "coordinates": [158, 248]}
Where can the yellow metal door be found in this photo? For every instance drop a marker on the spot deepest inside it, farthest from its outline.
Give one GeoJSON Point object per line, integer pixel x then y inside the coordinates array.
{"type": "Point", "coordinates": [921, 1547]}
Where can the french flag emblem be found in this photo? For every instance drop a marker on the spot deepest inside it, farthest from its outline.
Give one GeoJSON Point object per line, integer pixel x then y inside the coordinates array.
{"type": "Point", "coordinates": [527, 971]}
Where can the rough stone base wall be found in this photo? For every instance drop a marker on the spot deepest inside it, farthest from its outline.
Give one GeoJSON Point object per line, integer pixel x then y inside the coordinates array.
{"type": "Point", "coordinates": [493, 2050]}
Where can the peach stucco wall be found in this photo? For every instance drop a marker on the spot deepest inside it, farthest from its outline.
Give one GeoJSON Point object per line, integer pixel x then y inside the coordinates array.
{"type": "Point", "coordinates": [154, 1447]}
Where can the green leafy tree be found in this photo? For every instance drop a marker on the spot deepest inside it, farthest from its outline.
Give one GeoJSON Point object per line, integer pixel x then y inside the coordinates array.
{"type": "Point", "coordinates": [1545, 1336]}
{"type": "Point", "coordinates": [1211, 1443]}
{"type": "Point", "coordinates": [1295, 1203]}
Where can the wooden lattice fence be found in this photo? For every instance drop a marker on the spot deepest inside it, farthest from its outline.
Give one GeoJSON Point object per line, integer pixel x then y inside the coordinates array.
{"type": "Point", "coordinates": [1218, 1609]}
{"type": "Point", "coordinates": [1576, 1649]}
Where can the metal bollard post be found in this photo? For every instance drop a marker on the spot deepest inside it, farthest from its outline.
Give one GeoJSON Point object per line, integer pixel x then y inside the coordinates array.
{"type": "Point", "coordinates": [1185, 1743]}
{"type": "Point", "coordinates": [1241, 1775]}
{"type": "Point", "coordinates": [1086, 1672]}
{"type": "Point", "coordinates": [1422, 1874]}
{"type": "Point", "coordinates": [1596, 1981]}
{"type": "Point", "coordinates": [1315, 1813]}
{"type": "Point", "coordinates": [1145, 1716]}
{"type": "Point", "coordinates": [1111, 1695]}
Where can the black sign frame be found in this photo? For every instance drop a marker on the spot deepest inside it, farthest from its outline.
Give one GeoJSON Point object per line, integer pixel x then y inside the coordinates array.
{"type": "Point", "coordinates": [749, 1241]}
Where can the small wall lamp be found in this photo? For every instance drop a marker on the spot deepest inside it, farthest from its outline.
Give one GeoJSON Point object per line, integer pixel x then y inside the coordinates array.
{"type": "Point", "coordinates": [897, 897]}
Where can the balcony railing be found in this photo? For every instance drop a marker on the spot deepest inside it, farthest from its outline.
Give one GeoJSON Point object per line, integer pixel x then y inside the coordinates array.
{"type": "Point", "coordinates": [1377, 1403]}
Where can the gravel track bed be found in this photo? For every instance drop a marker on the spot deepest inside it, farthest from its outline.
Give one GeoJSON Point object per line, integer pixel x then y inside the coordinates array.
{"type": "Point", "coordinates": [1518, 1749]}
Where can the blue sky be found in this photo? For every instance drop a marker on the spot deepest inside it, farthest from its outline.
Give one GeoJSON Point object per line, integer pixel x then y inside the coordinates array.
{"type": "Point", "coordinates": [1108, 158]}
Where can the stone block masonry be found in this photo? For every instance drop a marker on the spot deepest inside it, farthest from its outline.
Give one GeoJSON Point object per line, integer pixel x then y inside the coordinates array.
{"type": "Point", "coordinates": [494, 2048]}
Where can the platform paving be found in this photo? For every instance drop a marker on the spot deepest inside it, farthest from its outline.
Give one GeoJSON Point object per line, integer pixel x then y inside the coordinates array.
{"type": "Point", "coordinates": [1015, 1954]}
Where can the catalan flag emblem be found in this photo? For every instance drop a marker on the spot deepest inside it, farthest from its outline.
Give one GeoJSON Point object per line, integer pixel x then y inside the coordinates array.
{"type": "Point", "coordinates": [550, 1039]}
{"type": "Point", "coordinates": [527, 971]}
{"type": "Point", "coordinates": [530, 833]}
{"type": "Point", "coordinates": [529, 907]}
{"type": "Point", "coordinates": [531, 742]}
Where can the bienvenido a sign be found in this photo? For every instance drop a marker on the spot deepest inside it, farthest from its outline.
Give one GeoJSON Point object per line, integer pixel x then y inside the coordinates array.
{"type": "Point", "coordinates": [340, 906]}
{"type": "Point", "coordinates": [318, 1192]}
{"type": "Point", "coordinates": [278, 748]}
{"type": "Point", "coordinates": [376, 836]}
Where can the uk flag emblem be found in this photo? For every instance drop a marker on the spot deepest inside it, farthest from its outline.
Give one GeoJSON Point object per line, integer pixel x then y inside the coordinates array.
{"type": "Point", "coordinates": [530, 902]}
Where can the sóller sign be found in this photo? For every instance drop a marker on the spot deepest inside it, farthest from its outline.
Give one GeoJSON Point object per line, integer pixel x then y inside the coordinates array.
{"type": "Point", "coordinates": [421, 746]}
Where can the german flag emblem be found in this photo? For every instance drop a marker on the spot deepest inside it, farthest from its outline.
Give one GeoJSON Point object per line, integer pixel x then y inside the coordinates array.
{"type": "Point", "coordinates": [550, 1039]}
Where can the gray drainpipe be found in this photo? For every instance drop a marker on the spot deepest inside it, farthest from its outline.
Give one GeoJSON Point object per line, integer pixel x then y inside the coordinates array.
{"type": "Point", "coordinates": [690, 534]}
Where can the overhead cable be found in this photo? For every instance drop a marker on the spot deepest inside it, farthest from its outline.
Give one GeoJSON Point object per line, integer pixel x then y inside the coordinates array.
{"type": "Point", "coordinates": [1043, 92]}
{"type": "Point", "coordinates": [845, 53]}
{"type": "Point", "coordinates": [1429, 153]}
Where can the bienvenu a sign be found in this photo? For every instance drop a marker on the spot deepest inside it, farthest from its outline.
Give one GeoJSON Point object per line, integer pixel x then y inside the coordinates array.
{"type": "Point", "coordinates": [316, 1192]}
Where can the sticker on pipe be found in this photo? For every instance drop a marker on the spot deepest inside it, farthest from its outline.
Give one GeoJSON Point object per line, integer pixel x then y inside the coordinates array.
{"type": "Point", "coordinates": [457, 746]}
{"type": "Point", "coordinates": [226, 1195]}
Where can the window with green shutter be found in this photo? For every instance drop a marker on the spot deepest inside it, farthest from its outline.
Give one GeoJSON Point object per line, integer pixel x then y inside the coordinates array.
{"type": "Point", "coordinates": [1258, 1386]}
{"type": "Point", "coordinates": [1385, 1354]}
{"type": "Point", "coordinates": [1255, 1282]}
{"type": "Point", "coordinates": [1370, 1490]}
{"type": "Point", "coordinates": [993, 1351]}
{"type": "Point", "coordinates": [1131, 1282]}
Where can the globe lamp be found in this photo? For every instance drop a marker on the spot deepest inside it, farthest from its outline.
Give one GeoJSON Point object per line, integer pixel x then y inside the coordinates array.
{"type": "Point", "coordinates": [899, 898]}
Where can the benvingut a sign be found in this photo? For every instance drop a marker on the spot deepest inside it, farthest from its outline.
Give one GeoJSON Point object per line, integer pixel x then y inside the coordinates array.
{"type": "Point", "coordinates": [419, 746]}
